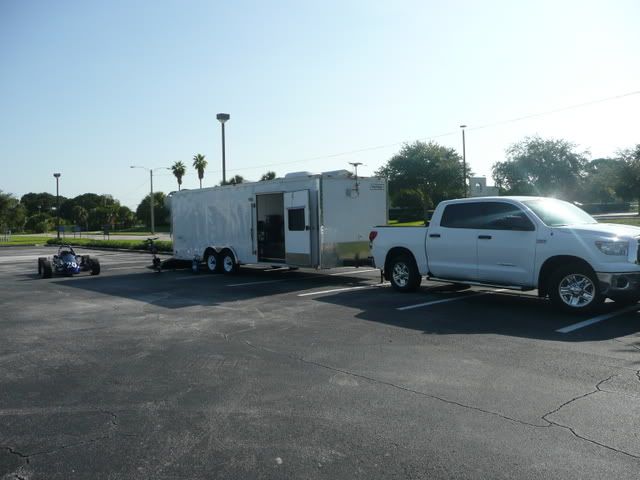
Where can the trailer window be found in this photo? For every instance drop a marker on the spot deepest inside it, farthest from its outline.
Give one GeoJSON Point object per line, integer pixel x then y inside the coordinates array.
{"type": "Point", "coordinates": [296, 219]}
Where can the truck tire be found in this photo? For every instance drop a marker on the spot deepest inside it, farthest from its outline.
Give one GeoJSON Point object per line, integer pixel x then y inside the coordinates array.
{"type": "Point", "coordinates": [574, 288]}
{"type": "Point", "coordinates": [94, 264]}
{"type": "Point", "coordinates": [212, 261]}
{"type": "Point", "coordinates": [228, 262]}
{"type": "Point", "coordinates": [403, 273]}
{"type": "Point", "coordinates": [44, 268]}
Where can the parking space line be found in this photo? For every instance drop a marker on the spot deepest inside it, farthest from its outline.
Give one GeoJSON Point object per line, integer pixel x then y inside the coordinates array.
{"type": "Point", "coordinates": [336, 290]}
{"type": "Point", "coordinates": [353, 272]}
{"type": "Point", "coordinates": [446, 300]}
{"type": "Point", "coordinates": [599, 318]}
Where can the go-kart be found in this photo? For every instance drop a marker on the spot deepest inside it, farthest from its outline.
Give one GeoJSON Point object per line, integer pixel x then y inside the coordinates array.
{"type": "Point", "coordinates": [67, 262]}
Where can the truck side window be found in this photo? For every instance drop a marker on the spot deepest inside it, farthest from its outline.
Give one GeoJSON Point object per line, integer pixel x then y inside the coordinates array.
{"type": "Point", "coordinates": [462, 215]}
{"type": "Point", "coordinates": [505, 216]}
{"type": "Point", "coordinates": [296, 219]}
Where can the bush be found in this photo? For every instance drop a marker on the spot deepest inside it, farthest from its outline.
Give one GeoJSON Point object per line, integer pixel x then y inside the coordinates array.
{"type": "Point", "coordinates": [163, 245]}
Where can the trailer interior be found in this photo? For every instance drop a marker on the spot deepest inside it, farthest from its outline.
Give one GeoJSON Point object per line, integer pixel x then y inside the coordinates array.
{"type": "Point", "coordinates": [270, 223]}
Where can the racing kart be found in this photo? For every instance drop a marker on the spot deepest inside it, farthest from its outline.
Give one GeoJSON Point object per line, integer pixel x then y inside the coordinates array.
{"type": "Point", "coordinates": [67, 262]}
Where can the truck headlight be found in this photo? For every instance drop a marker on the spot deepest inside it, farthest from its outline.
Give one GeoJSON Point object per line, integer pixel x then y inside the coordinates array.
{"type": "Point", "coordinates": [613, 248]}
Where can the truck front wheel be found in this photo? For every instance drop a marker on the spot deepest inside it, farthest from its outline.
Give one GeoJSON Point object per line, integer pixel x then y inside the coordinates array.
{"type": "Point", "coordinates": [403, 273]}
{"type": "Point", "coordinates": [574, 288]}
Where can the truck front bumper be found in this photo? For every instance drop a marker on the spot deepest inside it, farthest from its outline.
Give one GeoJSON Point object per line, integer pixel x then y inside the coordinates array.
{"type": "Point", "coordinates": [619, 284]}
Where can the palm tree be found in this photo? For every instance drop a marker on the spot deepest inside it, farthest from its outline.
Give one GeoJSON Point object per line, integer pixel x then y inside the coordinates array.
{"type": "Point", "coordinates": [268, 176]}
{"type": "Point", "coordinates": [179, 170]}
{"type": "Point", "coordinates": [199, 163]}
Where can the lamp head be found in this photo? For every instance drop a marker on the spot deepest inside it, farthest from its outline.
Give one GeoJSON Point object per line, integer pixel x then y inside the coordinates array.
{"type": "Point", "coordinates": [463, 126]}
{"type": "Point", "coordinates": [223, 117]}
{"type": "Point", "coordinates": [57, 175]}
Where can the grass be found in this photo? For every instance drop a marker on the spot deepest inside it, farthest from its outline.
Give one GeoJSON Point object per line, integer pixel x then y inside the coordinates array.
{"type": "Point", "coordinates": [625, 221]}
{"type": "Point", "coordinates": [395, 223]}
{"type": "Point", "coordinates": [163, 246]}
{"type": "Point", "coordinates": [25, 240]}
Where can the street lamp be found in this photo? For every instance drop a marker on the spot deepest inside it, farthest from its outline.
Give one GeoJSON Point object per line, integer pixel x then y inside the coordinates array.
{"type": "Point", "coordinates": [57, 175]}
{"type": "Point", "coordinates": [223, 117]}
{"type": "Point", "coordinates": [464, 162]}
{"type": "Point", "coordinates": [153, 224]}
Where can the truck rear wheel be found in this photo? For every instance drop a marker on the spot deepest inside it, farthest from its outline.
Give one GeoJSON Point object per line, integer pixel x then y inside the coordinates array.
{"type": "Point", "coordinates": [403, 273]}
{"type": "Point", "coordinates": [574, 288]}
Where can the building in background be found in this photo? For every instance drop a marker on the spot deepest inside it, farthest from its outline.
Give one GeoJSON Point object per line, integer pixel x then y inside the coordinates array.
{"type": "Point", "coordinates": [478, 188]}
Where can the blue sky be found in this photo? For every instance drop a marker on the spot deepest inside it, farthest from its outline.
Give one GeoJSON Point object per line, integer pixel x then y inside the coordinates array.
{"type": "Point", "coordinates": [89, 88]}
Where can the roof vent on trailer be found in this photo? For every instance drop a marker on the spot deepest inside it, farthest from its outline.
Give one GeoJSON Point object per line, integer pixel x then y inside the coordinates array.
{"type": "Point", "coordinates": [298, 174]}
{"type": "Point", "coordinates": [337, 173]}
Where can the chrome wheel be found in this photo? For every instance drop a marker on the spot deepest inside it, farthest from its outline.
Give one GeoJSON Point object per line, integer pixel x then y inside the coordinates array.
{"type": "Point", "coordinates": [577, 290]}
{"type": "Point", "coordinates": [228, 264]}
{"type": "Point", "coordinates": [212, 263]}
{"type": "Point", "coordinates": [400, 274]}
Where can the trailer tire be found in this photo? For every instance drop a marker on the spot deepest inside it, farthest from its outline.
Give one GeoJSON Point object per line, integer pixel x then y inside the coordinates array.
{"type": "Point", "coordinates": [403, 273]}
{"type": "Point", "coordinates": [212, 261]}
{"type": "Point", "coordinates": [228, 262]}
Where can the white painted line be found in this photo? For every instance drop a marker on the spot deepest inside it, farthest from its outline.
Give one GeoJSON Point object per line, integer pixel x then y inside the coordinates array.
{"type": "Point", "coordinates": [335, 290]}
{"type": "Point", "coordinates": [446, 300]}
{"type": "Point", "coordinates": [599, 318]}
{"type": "Point", "coordinates": [353, 272]}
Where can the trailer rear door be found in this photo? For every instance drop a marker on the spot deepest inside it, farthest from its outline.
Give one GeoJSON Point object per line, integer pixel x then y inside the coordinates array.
{"type": "Point", "coordinates": [297, 229]}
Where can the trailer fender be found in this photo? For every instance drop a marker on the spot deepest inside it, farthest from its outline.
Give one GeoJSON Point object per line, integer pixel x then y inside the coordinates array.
{"type": "Point", "coordinates": [233, 250]}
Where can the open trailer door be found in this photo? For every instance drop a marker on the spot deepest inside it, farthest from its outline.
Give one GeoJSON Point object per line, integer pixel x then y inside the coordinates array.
{"type": "Point", "coordinates": [297, 228]}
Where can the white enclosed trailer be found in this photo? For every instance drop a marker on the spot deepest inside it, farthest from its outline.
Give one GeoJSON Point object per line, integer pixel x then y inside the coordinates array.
{"type": "Point", "coordinates": [302, 220]}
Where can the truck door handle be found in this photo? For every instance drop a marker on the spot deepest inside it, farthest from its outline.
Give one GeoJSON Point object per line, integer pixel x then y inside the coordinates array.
{"type": "Point", "coordinates": [484, 237]}
{"type": "Point", "coordinates": [434, 235]}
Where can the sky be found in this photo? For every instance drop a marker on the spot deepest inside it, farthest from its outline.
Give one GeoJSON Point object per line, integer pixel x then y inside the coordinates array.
{"type": "Point", "coordinates": [89, 88]}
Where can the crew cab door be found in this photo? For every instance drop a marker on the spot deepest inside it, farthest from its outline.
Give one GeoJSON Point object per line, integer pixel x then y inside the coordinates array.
{"type": "Point", "coordinates": [297, 230]}
{"type": "Point", "coordinates": [506, 245]}
{"type": "Point", "coordinates": [452, 244]}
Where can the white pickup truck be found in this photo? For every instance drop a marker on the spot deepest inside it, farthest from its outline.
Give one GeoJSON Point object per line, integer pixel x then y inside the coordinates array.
{"type": "Point", "coordinates": [522, 243]}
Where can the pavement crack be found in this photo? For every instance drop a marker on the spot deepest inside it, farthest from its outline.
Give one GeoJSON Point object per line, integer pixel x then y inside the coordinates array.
{"type": "Point", "coordinates": [114, 417]}
{"type": "Point", "coordinates": [400, 387]}
{"type": "Point", "coordinates": [597, 389]}
{"type": "Point", "coordinates": [15, 452]}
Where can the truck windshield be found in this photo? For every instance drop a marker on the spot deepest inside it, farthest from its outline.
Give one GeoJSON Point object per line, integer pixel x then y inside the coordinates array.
{"type": "Point", "coordinates": [556, 213]}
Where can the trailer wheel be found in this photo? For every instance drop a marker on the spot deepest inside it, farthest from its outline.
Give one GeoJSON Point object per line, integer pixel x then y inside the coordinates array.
{"type": "Point", "coordinates": [229, 264]}
{"type": "Point", "coordinates": [212, 260]}
{"type": "Point", "coordinates": [403, 273]}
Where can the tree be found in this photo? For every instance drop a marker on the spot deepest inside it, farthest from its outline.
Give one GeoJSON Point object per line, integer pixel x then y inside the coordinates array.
{"type": "Point", "coordinates": [237, 179]}
{"type": "Point", "coordinates": [39, 223]}
{"type": "Point", "coordinates": [268, 176]}
{"type": "Point", "coordinates": [80, 216]}
{"type": "Point", "coordinates": [179, 169]}
{"type": "Point", "coordinates": [628, 184]}
{"type": "Point", "coordinates": [199, 163]}
{"type": "Point", "coordinates": [12, 213]}
{"type": "Point", "coordinates": [40, 202]}
{"type": "Point", "coordinates": [432, 169]}
{"type": "Point", "coordinates": [546, 167]}
{"type": "Point", "coordinates": [160, 210]}
{"type": "Point", "coordinates": [602, 180]}
{"type": "Point", "coordinates": [126, 217]}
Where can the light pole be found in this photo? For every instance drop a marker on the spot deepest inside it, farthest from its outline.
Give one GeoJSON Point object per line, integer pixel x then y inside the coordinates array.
{"type": "Point", "coordinates": [57, 175]}
{"type": "Point", "coordinates": [223, 117]}
{"type": "Point", "coordinates": [153, 224]}
{"type": "Point", "coordinates": [464, 162]}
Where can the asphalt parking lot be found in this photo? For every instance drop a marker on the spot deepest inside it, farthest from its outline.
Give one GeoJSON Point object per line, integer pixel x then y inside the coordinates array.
{"type": "Point", "coordinates": [273, 373]}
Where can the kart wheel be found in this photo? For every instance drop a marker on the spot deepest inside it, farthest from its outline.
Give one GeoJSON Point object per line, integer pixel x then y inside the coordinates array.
{"type": "Point", "coordinates": [94, 264]}
{"type": "Point", "coordinates": [45, 268]}
{"type": "Point", "coordinates": [157, 265]}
